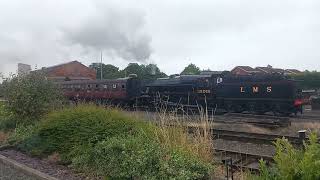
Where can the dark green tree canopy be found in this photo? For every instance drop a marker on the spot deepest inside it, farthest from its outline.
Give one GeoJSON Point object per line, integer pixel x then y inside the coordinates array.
{"type": "Point", "coordinates": [145, 72]}
{"type": "Point", "coordinates": [191, 69]}
{"type": "Point", "coordinates": [108, 71]}
{"type": "Point", "coordinates": [308, 79]}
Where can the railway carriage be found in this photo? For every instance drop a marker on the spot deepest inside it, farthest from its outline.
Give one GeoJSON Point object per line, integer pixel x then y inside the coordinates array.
{"type": "Point", "coordinates": [119, 91]}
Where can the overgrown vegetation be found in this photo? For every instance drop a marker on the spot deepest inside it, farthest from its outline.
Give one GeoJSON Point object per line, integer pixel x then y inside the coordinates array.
{"type": "Point", "coordinates": [292, 163]}
{"type": "Point", "coordinates": [308, 79]}
{"type": "Point", "coordinates": [109, 143]}
{"type": "Point", "coordinates": [28, 98]}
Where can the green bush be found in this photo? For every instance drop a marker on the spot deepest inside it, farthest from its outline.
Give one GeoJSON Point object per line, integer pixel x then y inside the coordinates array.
{"type": "Point", "coordinates": [180, 164]}
{"type": "Point", "coordinates": [109, 143]}
{"type": "Point", "coordinates": [7, 121]}
{"type": "Point", "coordinates": [121, 157]}
{"type": "Point", "coordinates": [65, 129]}
{"type": "Point", "coordinates": [31, 96]}
{"type": "Point", "coordinates": [136, 157]}
{"type": "Point", "coordinates": [292, 164]}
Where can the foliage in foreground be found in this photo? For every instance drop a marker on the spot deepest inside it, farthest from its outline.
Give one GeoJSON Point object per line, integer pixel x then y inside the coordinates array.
{"type": "Point", "coordinates": [293, 164]}
{"type": "Point", "coordinates": [31, 96]}
{"type": "Point", "coordinates": [109, 143]}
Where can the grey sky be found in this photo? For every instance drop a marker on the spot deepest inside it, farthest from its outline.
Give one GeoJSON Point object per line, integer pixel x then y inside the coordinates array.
{"type": "Point", "coordinates": [215, 34]}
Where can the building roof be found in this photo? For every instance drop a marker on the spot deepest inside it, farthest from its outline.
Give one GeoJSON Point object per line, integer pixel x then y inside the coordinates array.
{"type": "Point", "coordinates": [50, 68]}
{"type": "Point", "coordinates": [267, 70]}
{"type": "Point", "coordinates": [270, 70]}
{"type": "Point", "coordinates": [211, 72]}
{"type": "Point", "coordinates": [278, 70]}
{"type": "Point", "coordinates": [293, 71]}
{"type": "Point", "coordinates": [246, 69]}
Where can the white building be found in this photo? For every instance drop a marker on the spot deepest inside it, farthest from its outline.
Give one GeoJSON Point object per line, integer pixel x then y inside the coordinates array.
{"type": "Point", "coordinates": [23, 69]}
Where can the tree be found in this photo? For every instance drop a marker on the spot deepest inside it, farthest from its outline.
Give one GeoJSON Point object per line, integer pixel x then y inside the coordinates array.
{"type": "Point", "coordinates": [31, 96]}
{"type": "Point", "coordinates": [108, 71]}
{"type": "Point", "coordinates": [145, 72]}
{"type": "Point", "coordinates": [1, 90]}
{"type": "Point", "coordinates": [191, 69]}
{"type": "Point", "coordinates": [153, 72]}
{"type": "Point", "coordinates": [134, 68]}
{"type": "Point", "coordinates": [308, 79]}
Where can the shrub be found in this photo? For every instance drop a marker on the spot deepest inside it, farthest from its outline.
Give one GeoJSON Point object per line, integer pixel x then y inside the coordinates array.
{"type": "Point", "coordinates": [30, 96]}
{"type": "Point", "coordinates": [110, 143]}
{"type": "Point", "coordinates": [291, 163]}
{"type": "Point", "coordinates": [138, 158]}
{"type": "Point", "coordinates": [122, 157]}
{"type": "Point", "coordinates": [65, 129]}
{"type": "Point", "coordinates": [180, 164]}
{"type": "Point", "coordinates": [7, 121]}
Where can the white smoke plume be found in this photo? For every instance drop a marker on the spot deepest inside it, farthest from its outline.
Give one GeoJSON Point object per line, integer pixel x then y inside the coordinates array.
{"type": "Point", "coordinates": [118, 31]}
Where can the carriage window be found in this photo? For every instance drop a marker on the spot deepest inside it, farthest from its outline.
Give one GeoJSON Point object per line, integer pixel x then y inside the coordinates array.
{"type": "Point", "coordinates": [123, 86]}
{"type": "Point", "coordinates": [114, 86]}
{"type": "Point", "coordinates": [77, 87]}
{"type": "Point", "coordinates": [105, 86]}
{"type": "Point", "coordinates": [97, 85]}
{"type": "Point", "coordinates": [89, 86]}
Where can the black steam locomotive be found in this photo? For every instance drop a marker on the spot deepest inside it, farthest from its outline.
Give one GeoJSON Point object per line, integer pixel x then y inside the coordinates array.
{"type": "Point", "coordinates": [253, 94]}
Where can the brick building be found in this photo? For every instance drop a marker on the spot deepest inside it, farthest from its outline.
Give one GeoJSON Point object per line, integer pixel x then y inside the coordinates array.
{"type": "Point", "coordinates": [73, 70]}
{"type": "Point", "coordinates": [247, 70]}
{"type": "Point", "coordinates": [244, 70]}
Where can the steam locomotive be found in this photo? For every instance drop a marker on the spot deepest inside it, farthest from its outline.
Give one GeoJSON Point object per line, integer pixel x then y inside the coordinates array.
{"type": "Point", "coordinates": [251, 94]}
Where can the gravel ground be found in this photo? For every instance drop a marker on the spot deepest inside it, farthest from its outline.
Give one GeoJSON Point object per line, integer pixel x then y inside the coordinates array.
{"type": "Point", "coordinates": [9, 173]}
{"type": "Point", "coordinates": [51, 169]}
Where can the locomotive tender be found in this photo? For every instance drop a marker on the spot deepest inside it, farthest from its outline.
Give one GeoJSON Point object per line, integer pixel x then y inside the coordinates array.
{"type": "Point", "coordinates": [253, 94]}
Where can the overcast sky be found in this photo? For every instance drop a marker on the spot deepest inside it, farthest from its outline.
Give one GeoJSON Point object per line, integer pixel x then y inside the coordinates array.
{"type": "Point", "coordinates": [215, 34]}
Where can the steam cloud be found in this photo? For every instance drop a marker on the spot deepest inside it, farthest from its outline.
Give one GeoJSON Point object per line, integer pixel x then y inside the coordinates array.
{"type": "Point", "coordinates": [116, 31]}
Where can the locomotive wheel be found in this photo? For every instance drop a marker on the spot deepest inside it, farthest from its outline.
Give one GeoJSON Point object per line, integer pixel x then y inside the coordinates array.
{"type": "Point", "coordinates": [237, 108]}
{"type": "Point", "coordinates": [251, 108]}
{"type": "Point", "coordinates": [228, 106]}
{"type": "Point", "coordinates": [260, 109]}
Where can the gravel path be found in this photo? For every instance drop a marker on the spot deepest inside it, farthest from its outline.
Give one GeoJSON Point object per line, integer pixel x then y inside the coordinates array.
{"type": "Point", "coordinates": [54, 170]}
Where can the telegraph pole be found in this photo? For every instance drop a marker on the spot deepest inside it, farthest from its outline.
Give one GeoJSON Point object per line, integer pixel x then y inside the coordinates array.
{"type": "Point", "coordinates": [101, 66]}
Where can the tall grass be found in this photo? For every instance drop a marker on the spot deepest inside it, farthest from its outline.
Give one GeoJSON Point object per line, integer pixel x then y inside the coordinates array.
{"type": "Point", "coordinates": [174, 132]}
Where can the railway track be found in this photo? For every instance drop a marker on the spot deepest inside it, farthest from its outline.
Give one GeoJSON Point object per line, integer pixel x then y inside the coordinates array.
{"type": "Point", "coordinates": [308, 118]}
{"type": "Point", "coordinates": [238, 160]}
{"type": "Point", "coordinates": [257, 138]}
{"type": "Point", "coordinates": [259, 120]}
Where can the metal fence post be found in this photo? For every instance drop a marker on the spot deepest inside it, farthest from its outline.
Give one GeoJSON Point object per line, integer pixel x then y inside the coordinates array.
{"type": "Point", "coordinates": [228, 163]}
{"type": "Point", "coordinates": [302, 137]}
